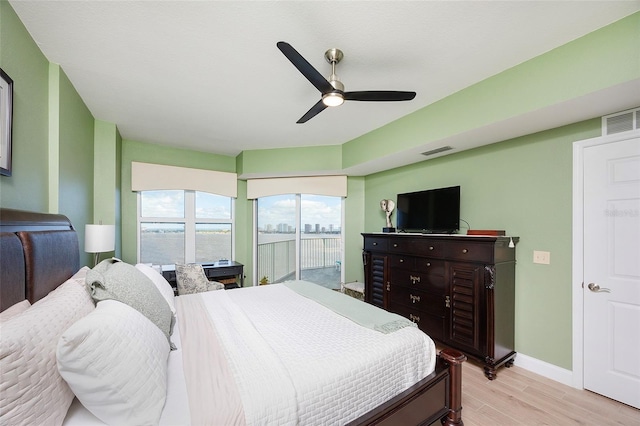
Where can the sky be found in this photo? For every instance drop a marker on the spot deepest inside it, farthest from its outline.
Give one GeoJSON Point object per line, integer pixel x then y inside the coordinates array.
{"type": "Point", "coordinates": [274, 210]}
{"type": "Point", "coordinates": [315, 209]}
{"type": "Point", "coordinates": [171, 204]}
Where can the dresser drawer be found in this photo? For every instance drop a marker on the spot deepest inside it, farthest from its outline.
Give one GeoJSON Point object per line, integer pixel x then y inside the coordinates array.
{"type": "Point", "coordinates": [418, 246]}
{"type": "Point", "coordinates": [375, 243]}
{"type": "Point", "coordinates": [469, 251]}
{"type": "Point", "coordinates": [431, 267]}
{"type": "Point", "coordinates": [419, 279]}
{"type": "Point", "coordinates": [415, 299]}
{"type": "Point", "coordinates": [433, 325]}
{"type": "Point", "coordinates": [403, 262]}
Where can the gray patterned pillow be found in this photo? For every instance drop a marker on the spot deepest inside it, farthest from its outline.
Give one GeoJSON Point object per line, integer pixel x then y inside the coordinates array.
{"type": "Point", "coordinates": [191, 278]}
{"type": "Point", "coordinates": [116, 280]}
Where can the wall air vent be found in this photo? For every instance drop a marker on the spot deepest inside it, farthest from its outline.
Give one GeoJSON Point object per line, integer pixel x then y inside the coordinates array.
{"type": "Point", "coordinates": [437, 150]}
{"type": "Point", "coordinates": [621, 122]}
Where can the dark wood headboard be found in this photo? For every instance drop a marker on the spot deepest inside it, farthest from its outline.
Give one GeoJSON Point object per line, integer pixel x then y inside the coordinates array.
{"type": "Point", "coordinates": [38, 252]}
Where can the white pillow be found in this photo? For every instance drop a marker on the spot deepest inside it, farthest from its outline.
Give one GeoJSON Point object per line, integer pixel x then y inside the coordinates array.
{"type": "Point", "coordinates": [160, 282]}
{"type": "Point", "coordinates": [14, 310]}
{"type": "Point", "coordinates": [115, 361]}
{"type": "Point", "coordinates": [81, 276]}
{"type": "Point", "coordinates": [31, 389]}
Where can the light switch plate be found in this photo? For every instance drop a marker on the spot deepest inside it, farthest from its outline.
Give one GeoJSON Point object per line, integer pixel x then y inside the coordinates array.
{"type": "Point", "coordinates": [542, 257]}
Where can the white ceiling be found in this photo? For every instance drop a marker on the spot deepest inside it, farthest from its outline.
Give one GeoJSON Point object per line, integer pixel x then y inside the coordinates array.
{"type": "Point", "coordinates": [207, 75]}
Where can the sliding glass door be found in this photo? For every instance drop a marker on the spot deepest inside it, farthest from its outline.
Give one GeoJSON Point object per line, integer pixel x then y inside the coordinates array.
{"type": "Point", "coordinates": [300, 237]}
{"type": "Point", "coordinates": [276, 238]}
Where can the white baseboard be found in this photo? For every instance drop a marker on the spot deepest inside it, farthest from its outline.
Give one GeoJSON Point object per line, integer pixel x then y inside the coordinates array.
{"type": "Point", "coordinates": [544, 369]}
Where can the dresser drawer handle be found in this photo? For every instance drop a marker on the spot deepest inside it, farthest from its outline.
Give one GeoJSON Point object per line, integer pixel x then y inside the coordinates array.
{"type": "Point", "coordinates": [414, 279]}
{"type": "Point", "coordinates": [414, 318]}
{"type": "Point", "coordinates": [395, 245]}
{"type": "Point", "coordinates": [447, 302]}
{"type": "Point", "coordinates": [414, 299]}
{"type": "Point", "coordinates": [465, 251]}
{"type": "Point", "coordinates": [401, 260]}
{"type": "Point", "coordinates": [430, 247]}
{"type": "Point", "coordinates": [375, 244]}
{"type": "Point", "coordinates": [428, 264]}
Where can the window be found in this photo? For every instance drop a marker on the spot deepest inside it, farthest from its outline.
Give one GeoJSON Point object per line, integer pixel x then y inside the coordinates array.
{"type": "Point", "coordinates": [299, 236]}
{"type": "Point", "coordinates": [176, 226]}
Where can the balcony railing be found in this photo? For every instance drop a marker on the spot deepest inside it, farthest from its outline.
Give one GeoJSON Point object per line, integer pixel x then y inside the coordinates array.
{"type": "Point", "coordinates": [277, 260]}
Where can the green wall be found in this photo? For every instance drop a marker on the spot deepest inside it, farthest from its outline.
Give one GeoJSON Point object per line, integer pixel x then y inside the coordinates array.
{"type": "Point", "coordinates": [523, 186]}
{"type": "Point", "coordinates": [22, 60]}
{"type": "Point", "coordinates": [75, 158]}
{"type": "Point", "coordinates": [107, 164]}
{"type": "Point", "coordinates": [53, 134]}
{"type": "Point", "coordinates": [244, 231]}
{"type": "Point", "coordinates": [355, 211]}
{"type": "Point", "coordinates": [284, 161]}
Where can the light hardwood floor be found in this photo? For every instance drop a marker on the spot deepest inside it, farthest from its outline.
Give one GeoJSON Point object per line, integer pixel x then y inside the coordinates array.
{"type": "Point", "coordinates": [519, 397]}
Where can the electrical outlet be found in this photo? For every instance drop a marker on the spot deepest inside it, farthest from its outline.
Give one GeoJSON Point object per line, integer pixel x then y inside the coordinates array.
{"type": "Point", "coordinates": [542, 257]}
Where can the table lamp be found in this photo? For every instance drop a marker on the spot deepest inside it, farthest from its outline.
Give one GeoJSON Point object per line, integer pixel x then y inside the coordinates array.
{"type": "Point", "coordinates": [99, 239]}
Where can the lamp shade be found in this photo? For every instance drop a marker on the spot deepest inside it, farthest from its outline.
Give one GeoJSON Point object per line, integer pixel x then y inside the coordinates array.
{"type": "Point", "coordinates": [99, 238]}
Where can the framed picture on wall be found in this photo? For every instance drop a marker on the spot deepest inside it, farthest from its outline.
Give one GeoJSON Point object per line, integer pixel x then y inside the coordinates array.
{"type": "Point", "coordinates": [6, 119]}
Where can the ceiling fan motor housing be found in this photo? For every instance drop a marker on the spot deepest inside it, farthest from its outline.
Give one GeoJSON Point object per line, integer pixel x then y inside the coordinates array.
{"type": "Point", "coordinates": [336, 83]}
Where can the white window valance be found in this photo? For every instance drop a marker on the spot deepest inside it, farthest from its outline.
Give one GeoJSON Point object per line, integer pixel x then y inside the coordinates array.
{"type": "Point", "coordinates": [150, 177]}
{"type": "Point", "coordinates": [335, 186]}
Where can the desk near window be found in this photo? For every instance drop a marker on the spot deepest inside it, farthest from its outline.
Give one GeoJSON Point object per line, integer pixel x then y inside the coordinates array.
{"type": "Point", "coordinates": [227, 272]}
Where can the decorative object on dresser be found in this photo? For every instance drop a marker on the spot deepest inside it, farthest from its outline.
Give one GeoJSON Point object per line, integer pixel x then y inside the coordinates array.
{"type": "Point", "coordinates": [495, 232]}
{"type": "Point", "coordinates": [460, 290]}
{"type": "Point", "coordinates": [387, 206]}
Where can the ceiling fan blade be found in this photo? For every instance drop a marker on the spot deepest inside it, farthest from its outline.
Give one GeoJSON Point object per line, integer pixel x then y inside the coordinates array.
{"type": "Point", "coordinates": [305, 67]}
{"type": "Point", "coordinates": [379, 96]}
{"type": "Point", "coordinates": [315, 110]}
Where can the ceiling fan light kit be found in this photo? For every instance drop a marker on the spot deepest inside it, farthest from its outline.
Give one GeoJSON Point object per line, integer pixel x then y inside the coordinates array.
{"type": "Point", "coordinates": [332, 90]}
{"type": "Point", "coordinates": [332, 99]}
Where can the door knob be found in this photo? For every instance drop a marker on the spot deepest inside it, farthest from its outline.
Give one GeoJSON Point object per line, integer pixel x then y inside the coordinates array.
{"type": "Point", "coordinates": [596, 288]}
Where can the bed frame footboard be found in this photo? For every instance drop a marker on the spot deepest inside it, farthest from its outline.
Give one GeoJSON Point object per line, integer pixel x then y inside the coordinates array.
{"type": "Point", "coordinates": [437, 396]}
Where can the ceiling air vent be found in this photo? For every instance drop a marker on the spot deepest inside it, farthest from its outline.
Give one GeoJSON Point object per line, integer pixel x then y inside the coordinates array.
{"type": "Point", "coordinates": [620, 122]}
{"type": "Point", "coordinates": [437, 150]}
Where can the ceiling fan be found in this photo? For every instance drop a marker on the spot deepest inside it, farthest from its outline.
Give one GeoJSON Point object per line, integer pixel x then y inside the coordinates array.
{"type": "Point", "coordinates": [332, 91]}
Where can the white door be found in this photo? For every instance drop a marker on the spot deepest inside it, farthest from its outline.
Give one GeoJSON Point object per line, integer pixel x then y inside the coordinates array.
{"type": "Point", "coordinates": [612, 270]}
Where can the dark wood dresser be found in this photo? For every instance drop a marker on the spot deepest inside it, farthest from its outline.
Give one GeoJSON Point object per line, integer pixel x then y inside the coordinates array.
{"type": "Point", "coordinates": [459, 289]}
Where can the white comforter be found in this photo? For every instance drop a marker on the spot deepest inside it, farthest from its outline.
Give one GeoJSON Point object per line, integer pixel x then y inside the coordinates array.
{"type": "Point", "coordinates": [292, 360]}
{"type": "Point", "coordinates": [297, 362]}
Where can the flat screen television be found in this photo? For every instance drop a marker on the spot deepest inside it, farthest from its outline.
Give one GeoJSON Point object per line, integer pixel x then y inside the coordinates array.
{"type": "Point", "coordinates": [431, 211]}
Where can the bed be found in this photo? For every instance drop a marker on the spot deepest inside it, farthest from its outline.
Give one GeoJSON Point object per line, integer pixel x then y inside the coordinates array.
{"type": "Point", "coordinates": [40, 257]}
